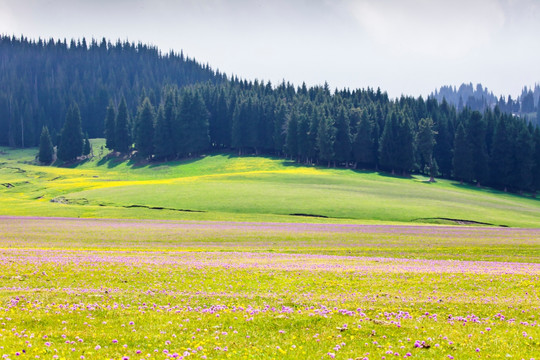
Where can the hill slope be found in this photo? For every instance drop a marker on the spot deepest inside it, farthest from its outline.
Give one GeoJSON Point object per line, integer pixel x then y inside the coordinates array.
{"type": "Point", "coordinates": [226, 187]}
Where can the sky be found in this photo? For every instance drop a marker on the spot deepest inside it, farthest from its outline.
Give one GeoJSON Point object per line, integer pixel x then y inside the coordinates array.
{"type": "Point", "coordinates": [408, 47]}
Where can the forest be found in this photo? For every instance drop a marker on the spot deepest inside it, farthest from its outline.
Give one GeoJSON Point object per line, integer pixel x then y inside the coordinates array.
{"type": "Point", "coordinates": [159, 107]}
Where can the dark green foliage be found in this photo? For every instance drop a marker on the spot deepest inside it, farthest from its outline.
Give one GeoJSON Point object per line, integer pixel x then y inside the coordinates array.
{"type": "Point", "coordinates": [502, 159]}
{"type": "Point", "coordinates": [122, 140]}
{"type": "Point", "coordinates": [523, 160]}
{"type": "Point", "coordinates": [536, 160]}
{"type": "Point", "coordinates": [425, 141]}
{"type": "Point", "coordinates": [87, 147]}
{"type": "Point", "coordinates": [46, 150]}
{"type": "Point", "coordinates": [363, 145]}
{"type": "Point", "coordinates": [193, 118]}
{"type": "Point", "coordinates": [40, 78]}
{"type": "Point", "coordinates": [164, 148]}
{"type": "Point", "coordinates": [462, 161]}
{"type": "Point", "coordinates": [292, 134]}
{"type": "Point", "coordinates": [476, 136]}
{"type": "Point", "coordinates": [71, 137]}
{"type": "Point", "coordinates": [342, 144]}
{"type": "Point", "coordinates": [144, 129]}
{"type": "Point", "coordinates": [388, 146]}
{"type": "Point", "coordinates": [110, 126]}
{"type": "Point", "coordinates": [326, 138]}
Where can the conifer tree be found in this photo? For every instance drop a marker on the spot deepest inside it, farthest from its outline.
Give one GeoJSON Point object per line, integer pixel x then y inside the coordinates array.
{"type": "Point", "coordinates": [144, 130]}
{"type": "Point", "coordinates": [342, 145]}
{"type": "Point", "coordinates": [425, 139]}
{"type": "Point", "coordinates": [524, 162]}
{"type": "Point", "coordinates": [388, 147]}
{"type": "Point", "coordinates": [71, 137]}
{"type": "Point", "coordinates": [363, 144]}
{"type": "Point", "coordinates": [292, 135]}
{"type": "Point", "coordinates": [122, 141]}
{"type": "Point", "coordinates": [462, 160]}
{"type": "Point", "coordinates": [164, 148]}
{"type": "Point", "coordinates": [476, 135]}
{"type": "Point", "coordinates": [87, 147]}
{"type": "Point", "coordinates": [325, 140]}
{"type": "Point", "coordinates": [110, 126]}
{"type": "Point", "coordinates": [46, 149]}
{"type": "Point", "coordinates": [194, 122]}
{"type": "Point", "coordinates": [536, 160]}
{"type": "Point", "coordinates": [501, 161]}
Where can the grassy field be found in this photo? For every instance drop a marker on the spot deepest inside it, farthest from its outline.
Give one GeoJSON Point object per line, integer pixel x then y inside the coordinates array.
{"type": "Point", "coordinates": [224, 257]}
{"type": "Point", "coordinates": [229, 188]}
{"type": "Point", "coordinates": [131, 289]}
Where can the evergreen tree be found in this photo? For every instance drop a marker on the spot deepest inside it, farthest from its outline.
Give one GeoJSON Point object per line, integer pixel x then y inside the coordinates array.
{"type": "Point", "coordinates": [476, 134]}
{"type": "Point", "coordinates": [279, 127]}
{"type": "Point", "coordinates": [87, 147]}
{"type": "Point", "coordinates": [501, 161]}
{"type": "Point", "coordinates": [536, 160]}
{"type": "Point", "coordinates": [388, 145]}
{"type": "Point", "coordinates": [462, 160]}
{"type": "Point", "coordinates": [292, 134]}
{"type": "Point", "coordinates": [144, 131]}
{"type": "Point", "coordinates": [110, 126]}
{"type": "Point", "coordinates": [523, 159]}
{"type": "Point", "coordinates": [325, 140]}
{"type": "Point", "coordinates": [425, 140]}
{"type": "Point", "coordinates": [71, 137]}
{"type": "Point", "coordinates": [405, 145]}
{"type": "Point", "coordinates": [46, 150]}
{"type": "Point", "coordinates": [194, 121]}
{"type": "Point", "coordinates": [303, 136]}
{"type": "Point", "coordinates": [342, 144]}
{"type": "Point", "coordinates": [164, 147]}
{"type": "Point", "coordinates": [363, 145]}
{"type": "Point", "coordinates": [122, 139]}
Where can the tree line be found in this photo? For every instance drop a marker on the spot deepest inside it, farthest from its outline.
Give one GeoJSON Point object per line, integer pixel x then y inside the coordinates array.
{"type": "Point", "coordinates": [360, 129]}
{"type": "Point", "coordinates": [167, 106]}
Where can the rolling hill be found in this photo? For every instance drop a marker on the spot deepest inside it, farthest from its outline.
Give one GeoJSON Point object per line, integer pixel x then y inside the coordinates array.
{"type": "Point", "coordinates": [226, 187]}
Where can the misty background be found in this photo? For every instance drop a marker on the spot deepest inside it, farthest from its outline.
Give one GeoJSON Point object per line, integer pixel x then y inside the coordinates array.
{"type": "Point", "coordinates": [404, 47]}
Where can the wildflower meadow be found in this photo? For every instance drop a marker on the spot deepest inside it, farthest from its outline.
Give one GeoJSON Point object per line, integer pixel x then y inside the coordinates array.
{"type": "Point", "coordinates": [122, 289]}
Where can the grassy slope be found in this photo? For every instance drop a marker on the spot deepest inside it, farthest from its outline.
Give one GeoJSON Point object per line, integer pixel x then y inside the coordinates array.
{"type": "Point", "coordinates": [245, 189]}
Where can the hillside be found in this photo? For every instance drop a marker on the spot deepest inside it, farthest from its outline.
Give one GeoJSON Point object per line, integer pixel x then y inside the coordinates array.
{"type": "Point", "coordinates": [226, 187]}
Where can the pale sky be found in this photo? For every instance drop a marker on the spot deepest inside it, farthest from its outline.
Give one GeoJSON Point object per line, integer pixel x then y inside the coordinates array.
{"type": "Point", "coordinates": [403, 46]}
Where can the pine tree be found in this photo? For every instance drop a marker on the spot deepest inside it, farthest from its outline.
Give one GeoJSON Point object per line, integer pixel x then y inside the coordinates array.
{"type": "Point", "coordinates": [388, 147]}
{"type": "Point", "coordinates": [164, 148]}
{"type": "Point", "coordinates": [523, 159]}
{"type": "Point", "coordinates": [405, 145]}
{"type": "Point", "coordinates": [342, 145]}
{"type": "Point", "coordinates": [326, 138]}
{"type": "Point", "coordinates": [71, 137]}
{"type": "Point", "coordinates": [144, 130]}
{"type": "Point", "coordinates": [501, 161]}
{"type": "Point", "coordinates": [425, 140]}
{"type": "Point", "coordinates": [46, 149]}
{"type": "Point", "coordinates": [462, 160]}
{"type": "Point", "coordinates": [194, 119]}
{"type": "Point", "coordinates": [476, 135]}
{"type": "Point", "coordinates": [87, 147]}
{"type": "Point", "coordinates": [363, 144]}
{"type": "Point", "coordinates": [122, 139]}
{"type": "Point", "coordinates": [536, 160]}
{"type": "Point", "coordinates": [292, 135]}
{"type": "Point", "coordinates": [110, 126]}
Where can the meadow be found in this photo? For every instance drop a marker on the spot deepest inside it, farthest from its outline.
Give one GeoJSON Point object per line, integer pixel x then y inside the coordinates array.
{"type": "Point", "coordinates": [202, 259]}
{"type": "Point", "coordinates": [126, 289]}
{"type": "Point", "coordinates": [230, 188]}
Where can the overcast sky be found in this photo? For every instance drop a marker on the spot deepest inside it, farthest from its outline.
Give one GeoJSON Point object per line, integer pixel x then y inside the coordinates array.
{"type": "Point", "coordinates": [404, 46]}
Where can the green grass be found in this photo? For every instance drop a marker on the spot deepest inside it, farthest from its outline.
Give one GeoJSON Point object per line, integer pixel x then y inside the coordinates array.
{"type": "Point", "coordinates": [226, 187]}
{"type": "Point", "coordinates": [222, 290]}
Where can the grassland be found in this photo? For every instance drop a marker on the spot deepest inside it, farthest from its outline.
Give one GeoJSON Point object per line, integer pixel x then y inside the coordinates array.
{"type": "Point", "coordinates": [130, 289]}
{"type": "Point", "coordinates": [229, 188]}
{"type": "Point", "coordinates": [203, 259]}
